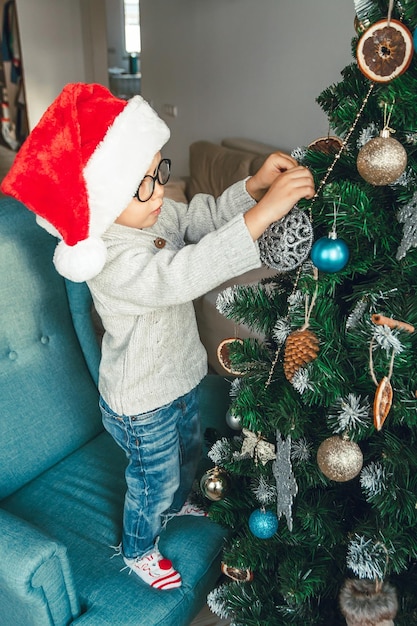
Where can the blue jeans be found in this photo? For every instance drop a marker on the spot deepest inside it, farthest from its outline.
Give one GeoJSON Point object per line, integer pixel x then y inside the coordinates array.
{"type": "Point", "coordinates": [163, 448]}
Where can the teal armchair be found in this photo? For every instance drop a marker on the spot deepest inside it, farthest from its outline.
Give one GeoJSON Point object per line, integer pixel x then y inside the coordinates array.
{"type": "Point", "coordinates": [61, 475]}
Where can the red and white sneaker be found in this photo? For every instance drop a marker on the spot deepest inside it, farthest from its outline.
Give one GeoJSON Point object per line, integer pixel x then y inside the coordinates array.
{"type": "Point", "coordinates": [155, 570]}
{"type": "Point", "coordinates": [188, 508]}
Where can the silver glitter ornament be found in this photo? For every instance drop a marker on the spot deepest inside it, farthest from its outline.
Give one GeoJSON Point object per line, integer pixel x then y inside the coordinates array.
{"type": "Point", "coordinates": [408, 216]}
{"type": "Point", "coordinates": [382, 160]}
{"type": "Point", "coordinates": [287, 243]}
{"type": "Point", "coordinates": [286, 484]}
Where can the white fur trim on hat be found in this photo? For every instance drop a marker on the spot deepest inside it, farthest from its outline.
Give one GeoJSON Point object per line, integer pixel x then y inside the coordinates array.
{"type": "Point", "coordinates": [121, 160]}
{"type": "Point", "coordinates": [82, 261]}
{"type": "Point", "coordinates": [43, 223]}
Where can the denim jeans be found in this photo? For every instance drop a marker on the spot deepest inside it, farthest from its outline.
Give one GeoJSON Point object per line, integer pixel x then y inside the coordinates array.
{"type": "Point", "coordinates": [163, 448]}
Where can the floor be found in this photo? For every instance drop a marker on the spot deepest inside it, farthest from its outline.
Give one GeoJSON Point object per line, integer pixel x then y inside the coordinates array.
{"type": "Point", "coordinates": [207, 618]}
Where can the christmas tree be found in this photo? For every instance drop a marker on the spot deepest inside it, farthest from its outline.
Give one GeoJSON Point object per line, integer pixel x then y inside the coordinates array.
{"type": "Point", "coordinates": [318, 480]}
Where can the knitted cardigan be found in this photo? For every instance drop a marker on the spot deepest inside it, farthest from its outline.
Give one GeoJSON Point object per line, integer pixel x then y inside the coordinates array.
{"type": "Point", "coordinates": [151, 351]}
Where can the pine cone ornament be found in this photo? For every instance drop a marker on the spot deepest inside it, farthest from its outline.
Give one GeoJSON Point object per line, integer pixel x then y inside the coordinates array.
{"type": "Point", "coordinates": [301, 347]}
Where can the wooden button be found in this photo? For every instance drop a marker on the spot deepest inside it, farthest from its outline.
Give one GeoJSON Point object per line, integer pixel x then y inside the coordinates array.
{"type": "Point", "coordinates": [160, 243]}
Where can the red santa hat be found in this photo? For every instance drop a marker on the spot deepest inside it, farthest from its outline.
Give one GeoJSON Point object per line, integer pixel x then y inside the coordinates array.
{"type": "Point", "coordinates": [80, 167]}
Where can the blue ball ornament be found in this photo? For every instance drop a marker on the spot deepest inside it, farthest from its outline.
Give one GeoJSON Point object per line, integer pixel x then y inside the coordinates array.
{"type": "Point", "coordinates": [263, 524]}
{"type": "Point", "coordinates": [415, 40]}
{"type": "Point", "coordinates": [329, 254]}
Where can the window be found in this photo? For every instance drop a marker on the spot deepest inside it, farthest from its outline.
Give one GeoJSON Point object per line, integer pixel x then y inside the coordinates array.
{"type": "Point", "coordinates": [132, 25]}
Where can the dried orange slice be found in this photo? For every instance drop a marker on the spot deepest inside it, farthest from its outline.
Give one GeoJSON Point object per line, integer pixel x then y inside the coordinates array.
{"type": "Point", "coordinates": [327, 145]}
{"type": "Point", "coordinates": [382, 402]}
{"type": "Point", "coordinates": [238, 574]}
{"type": "Point", "coordinates": [223, 354]}
{"type": "Point", "coordinates": [385, 50]}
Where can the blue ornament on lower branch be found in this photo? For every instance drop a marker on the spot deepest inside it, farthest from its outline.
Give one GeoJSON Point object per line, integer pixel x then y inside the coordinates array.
{"type": "Point", "coordinates": [330, 254]}
{"type": "Point", "coordinates": [263, 524]}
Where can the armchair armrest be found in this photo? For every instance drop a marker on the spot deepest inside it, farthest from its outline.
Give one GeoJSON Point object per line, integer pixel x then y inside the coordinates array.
{"type": "Point", "coordinates": [36, 585]}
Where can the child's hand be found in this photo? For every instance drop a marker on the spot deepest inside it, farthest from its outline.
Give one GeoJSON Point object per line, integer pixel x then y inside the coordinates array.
{"type": "Point", "coordinates": [285, 191]}
{"type": "Point", "coordinates": [275, 164]}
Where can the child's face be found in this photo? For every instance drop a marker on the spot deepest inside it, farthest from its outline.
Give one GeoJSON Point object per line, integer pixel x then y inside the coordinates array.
{"type": "Point", "coordinates": [144, 214]}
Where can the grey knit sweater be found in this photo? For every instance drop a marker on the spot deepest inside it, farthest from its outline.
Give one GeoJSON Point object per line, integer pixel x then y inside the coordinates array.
{"type": "Point", "coordinates": [151, 351]}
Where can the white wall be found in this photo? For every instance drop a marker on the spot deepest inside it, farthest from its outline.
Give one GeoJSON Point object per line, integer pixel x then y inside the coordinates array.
{"type": "Point", "coordinates": [117, 56]}
{"type": "Point", "coordinates": [232, 67]}
{"type": "Point", "coordinates": [59, 44]}
{"type": "Point", "coordinates": [243, 68]}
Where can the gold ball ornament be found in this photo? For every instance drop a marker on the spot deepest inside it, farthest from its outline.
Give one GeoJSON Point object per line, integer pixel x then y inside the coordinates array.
{"type": "Point", "coordinates": [381, 160]}
{"type": "Point", "coordinates": [339, 459]}
{"type": "Point", "coordinates": [215, 484]}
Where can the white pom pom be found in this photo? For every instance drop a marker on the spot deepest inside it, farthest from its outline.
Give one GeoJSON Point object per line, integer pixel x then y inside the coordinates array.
{"type": "Point", "coordinates": [82, 261]}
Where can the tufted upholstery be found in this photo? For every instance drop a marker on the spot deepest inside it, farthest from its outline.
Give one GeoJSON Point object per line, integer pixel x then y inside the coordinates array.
{"type": "Point", "coordinates": [61, 478]}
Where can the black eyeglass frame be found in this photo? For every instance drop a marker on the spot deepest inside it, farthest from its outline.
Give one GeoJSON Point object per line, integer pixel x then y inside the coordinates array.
{"type": "Point", "coordinates": [154, 179]}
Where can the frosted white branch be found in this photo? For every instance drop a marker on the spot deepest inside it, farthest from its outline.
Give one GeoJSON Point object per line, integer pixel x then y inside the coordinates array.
{"type": "Point", "coordinates": [350, 413]}
{"type": "Point", "coordinates": [301, 380]}
{"type": "Point", "coordinates": [373, 479]}
{"type": "Point", "coordinates": [281, 330]}
{"type": "Point", "coordinates": [217, 603]}
{"type": "Point", "coordinates": [367, 559]}
{"type": "Point", "coordinates": [301, 450]}
{"type": "Point", "coordinates": [387, 339]}
{"type": "Point", "coordinates": [225, 300]}
{"type": "Point", "coordinates": [220, 451]}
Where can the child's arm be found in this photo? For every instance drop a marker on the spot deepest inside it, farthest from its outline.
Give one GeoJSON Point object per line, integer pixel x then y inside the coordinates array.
{"type": "Point", "coordinates": [278, 185]}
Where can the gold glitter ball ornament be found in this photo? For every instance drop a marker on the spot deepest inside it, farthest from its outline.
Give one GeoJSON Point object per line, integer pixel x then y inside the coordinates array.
{"type": "Point", "coordinates": [339, 459]}
{"type": "Point", "coordinates": [381, 160]}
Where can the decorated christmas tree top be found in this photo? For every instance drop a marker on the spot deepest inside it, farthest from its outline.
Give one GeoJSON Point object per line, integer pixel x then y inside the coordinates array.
{"type": "Point", "coordinates": [318, 480]}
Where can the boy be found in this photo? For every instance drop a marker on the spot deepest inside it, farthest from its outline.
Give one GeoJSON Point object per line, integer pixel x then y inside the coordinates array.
{"type": "Point", "coordinates": [93, 173]}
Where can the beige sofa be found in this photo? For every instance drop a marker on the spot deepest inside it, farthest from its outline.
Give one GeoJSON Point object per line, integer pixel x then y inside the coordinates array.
{"type": "Point", "coordinates": [213, 168]}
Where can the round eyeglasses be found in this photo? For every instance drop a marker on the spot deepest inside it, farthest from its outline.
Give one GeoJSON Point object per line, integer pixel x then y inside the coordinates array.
{"type": "Point", "coordinates": [147, 185]}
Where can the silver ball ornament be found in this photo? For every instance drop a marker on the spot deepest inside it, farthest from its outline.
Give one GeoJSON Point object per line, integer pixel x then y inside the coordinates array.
{"type": "Point", "coordinates": [381, 160]}
{"type": "Point", "coordinates": [233, 420]}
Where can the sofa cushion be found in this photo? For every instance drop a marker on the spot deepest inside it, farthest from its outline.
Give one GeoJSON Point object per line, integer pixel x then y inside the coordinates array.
{"type": "Point", "coordinates": [248, 145]}
{"type": "Point", "coordinates": [258, 150]}
{"type": "Point", "coordinates": [213, 168]}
